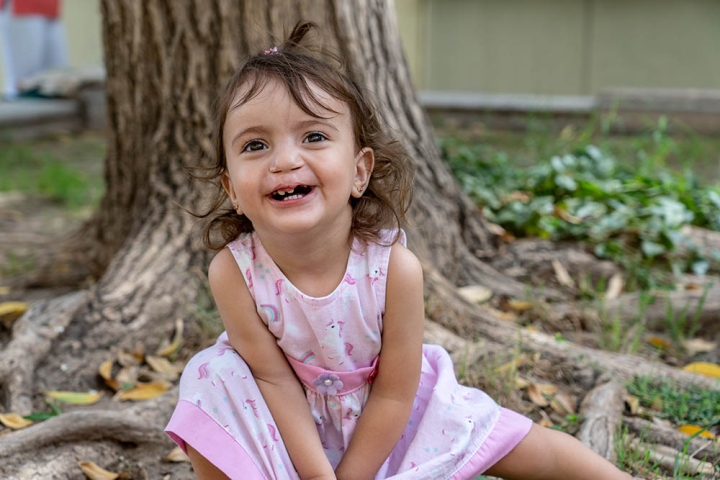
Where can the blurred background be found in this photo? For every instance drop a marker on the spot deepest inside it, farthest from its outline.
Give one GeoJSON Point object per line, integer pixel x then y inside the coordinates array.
{"type": "Point", "coordinates": [564, 57]}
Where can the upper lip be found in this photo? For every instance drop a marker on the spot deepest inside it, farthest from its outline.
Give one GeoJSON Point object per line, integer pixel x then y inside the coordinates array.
{"type": "Point", "coordinates": [286, 188]}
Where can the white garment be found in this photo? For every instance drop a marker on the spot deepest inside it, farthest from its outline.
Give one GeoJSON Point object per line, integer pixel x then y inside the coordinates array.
{"type": "Point", "coordinates": [30, 44]}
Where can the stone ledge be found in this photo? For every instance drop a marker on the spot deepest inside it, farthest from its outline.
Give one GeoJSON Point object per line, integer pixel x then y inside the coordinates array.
{"type": "Point", "coordinates": [663, 100]}
{"type": "Point", "coordinates": [33, 111]}
{"type": "Point", "coordinates": [507, 102]}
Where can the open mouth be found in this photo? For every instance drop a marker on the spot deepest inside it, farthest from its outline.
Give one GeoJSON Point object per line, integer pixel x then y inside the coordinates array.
{"type": "Point", "coordinates": [292, 194]}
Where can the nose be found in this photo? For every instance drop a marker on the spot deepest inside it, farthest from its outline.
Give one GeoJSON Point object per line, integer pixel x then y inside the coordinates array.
{"type": "Point", "coordinates": [285, 158]}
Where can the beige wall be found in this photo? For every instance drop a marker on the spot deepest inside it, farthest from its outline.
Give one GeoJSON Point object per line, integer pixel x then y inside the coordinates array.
{"type": "Point", "coordinates": [83, 31]}
{"type": "Point", "coordinates": [562, 46]}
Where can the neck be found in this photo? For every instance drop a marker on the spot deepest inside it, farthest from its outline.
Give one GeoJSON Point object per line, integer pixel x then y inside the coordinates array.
{"type": "Point", "coordinates": [315, 264]}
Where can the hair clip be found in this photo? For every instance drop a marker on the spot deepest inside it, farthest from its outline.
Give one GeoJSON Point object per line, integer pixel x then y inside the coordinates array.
{"type": "Point", "coordinates": [272, 51]}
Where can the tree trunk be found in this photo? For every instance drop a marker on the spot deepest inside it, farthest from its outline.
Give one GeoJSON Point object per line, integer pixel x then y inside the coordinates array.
{"type": "Point", "coordinates": [166, 62]}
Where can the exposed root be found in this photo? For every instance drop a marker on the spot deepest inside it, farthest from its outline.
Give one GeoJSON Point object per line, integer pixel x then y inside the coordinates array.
{"type": "Point", "coordinates": [701, 305]}
{"type": "Point", "coordinates": [447, 307]}
{"type": "Point", "coordinates": [33, 337]}
{"type": "Point", "coordinates": [142, 423]}
{"type": "Point", "coordinates": [672, 460]}
{"type": "Point", "coordinates": [655, 433]}
{"type": "Point", "coordinates": [602, 409]}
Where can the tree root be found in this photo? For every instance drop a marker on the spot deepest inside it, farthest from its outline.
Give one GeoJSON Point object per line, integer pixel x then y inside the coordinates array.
{"type": "Point", "coordinates": [672, 460]}
{"type": "Point", "coordinates": [652, 433]}
{"type": "Point", "coordinates": [701, 306]}
{"type": "Point", "coordinates": [447, 307]}
{"type": "Point", "coordinates": [602, 409]}
{"type": "Point", "coordinates": [33, 337]}
{"type": "Point", "coordinates": [142, 423]}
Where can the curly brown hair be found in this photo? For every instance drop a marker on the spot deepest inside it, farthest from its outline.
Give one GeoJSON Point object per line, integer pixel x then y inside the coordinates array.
{"type": "Point", "coordinates": [295, 66]}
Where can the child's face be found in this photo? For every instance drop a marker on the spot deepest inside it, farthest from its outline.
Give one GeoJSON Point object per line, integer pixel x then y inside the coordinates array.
{"type": "Point", "coordinates": [290, 172]}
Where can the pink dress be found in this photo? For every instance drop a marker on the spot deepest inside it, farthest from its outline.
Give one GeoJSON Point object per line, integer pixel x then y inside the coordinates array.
{"type": "Point", "coordinates": [333, 343]}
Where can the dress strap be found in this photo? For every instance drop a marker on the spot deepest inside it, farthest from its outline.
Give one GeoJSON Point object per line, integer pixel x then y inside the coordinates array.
{"type": "Point", "coordinates": [331, 382]}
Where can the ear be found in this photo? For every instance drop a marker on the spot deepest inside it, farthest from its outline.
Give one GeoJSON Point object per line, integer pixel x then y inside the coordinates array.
{"type": "Point", "coordinates": [364, 164]}
{"type": "Point", "coordinates": [228, 187]}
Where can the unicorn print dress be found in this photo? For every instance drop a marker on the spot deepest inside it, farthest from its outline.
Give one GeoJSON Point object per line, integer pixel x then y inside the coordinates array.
{"type": "Point", "coordinates": [333, 344]}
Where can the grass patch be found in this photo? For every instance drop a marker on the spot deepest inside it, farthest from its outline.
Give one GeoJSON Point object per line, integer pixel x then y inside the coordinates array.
{"type": "Point", "coordinates": [56, 170]}
{"type": "Point", "coordinates": [692, 405]}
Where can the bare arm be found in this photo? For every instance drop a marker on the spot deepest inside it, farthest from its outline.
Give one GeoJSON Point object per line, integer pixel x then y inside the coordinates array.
{"type": "Point", "coordinates": [389, 406]}
{"type": "Point", "coordinates": [276, 380]}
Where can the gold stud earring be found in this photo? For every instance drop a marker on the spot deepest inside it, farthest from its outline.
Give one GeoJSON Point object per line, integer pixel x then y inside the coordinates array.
{"type": "Point", "coordinates": [235, 206]}
{"type": "Point", "coordinates": [360, 189]}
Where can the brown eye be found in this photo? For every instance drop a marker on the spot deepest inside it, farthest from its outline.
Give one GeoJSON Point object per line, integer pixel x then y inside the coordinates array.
{"type": "Point", "coordinates": [254, 146]}
{"type": "Point", "coordinates": [315, 137]}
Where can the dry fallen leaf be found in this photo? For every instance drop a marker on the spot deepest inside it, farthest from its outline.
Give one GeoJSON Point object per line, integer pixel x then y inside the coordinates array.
{"type": "Point", "coordinates": [704, 368]}
{"type": "Point", "coordinates": [475, 293]}
{"type": "Point", "coordinates": [4, 290]}
{"type": "Point", "coordinates": [633, 403]}
{"type": "Point", "coordinates": [144, 391]}
{"type": "Point", "coordinates": [163, 366]}
{"type": "Point", "coordinates": [537, 393]}
{"type": "Point", "coordinates": [512, 364]}
{"type": "Point", "coordinates": [128, 377]}
{"type": "Point", "coordinates": [128, 359]}
{"type": "Point", "coordinates": [545, 420]}
{"type": "Point", "coordinates": [75, 398]}
{"type": "Point", "coordinates": [177, 456]}
{"type": "Point", "coordinates": [93, 472]}
{"type": "Point", "coordinates": [495, 229]}
{"type": "Point", "coordinates": [562, 275]}
{"type": "Point", "coordinates": [519, 305]}
{"type": "Point", "coordinates": [177, 340]}
{"type": "Point", "coordinates": [698, 345]}
{"type": "Point", "coordinates": [615, 287]}
{"type": "Point", "coordinates": [563, 403]}
{"type": "Point", "coordinates": [659, 342]}
{"type": "Point", "coordinates": [521, 383]}
{"type": "Point", "coordinates": [11, 311]}
{"type": "Point", "coordinates": [14, 421]}
{"type": "Point", "coordinates": [693, 429]}
{"type": "Point", "coordinates": [523, 197]}
{"type": "Point", "coordinates": [563, 214]}
{"type": "Point", "coordinates": [105, 372]}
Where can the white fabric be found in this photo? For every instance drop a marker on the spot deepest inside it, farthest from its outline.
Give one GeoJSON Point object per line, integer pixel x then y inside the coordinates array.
{"type": "Point", "coordinates": [30, 44]}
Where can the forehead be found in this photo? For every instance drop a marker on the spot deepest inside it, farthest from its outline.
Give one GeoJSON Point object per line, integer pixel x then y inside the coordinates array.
{"type": "Point", "coordinates": [272, 96]}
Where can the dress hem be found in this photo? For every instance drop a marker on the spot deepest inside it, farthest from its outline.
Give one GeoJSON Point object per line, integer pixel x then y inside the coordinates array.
{"type": "Point", "coordinates": [509, 430]}
{"type": "Point", "coordinates": [189, 421]}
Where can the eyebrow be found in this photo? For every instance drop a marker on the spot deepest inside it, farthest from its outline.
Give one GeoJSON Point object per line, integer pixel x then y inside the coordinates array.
{"type": "Point", "coordinates": [300, 125]}
{"type": "Point", "coordinates": [255, 129]}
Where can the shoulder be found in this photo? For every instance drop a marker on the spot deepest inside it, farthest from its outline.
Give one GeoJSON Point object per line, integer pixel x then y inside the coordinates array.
{"type": "Point", "coordinates": [223, 269]}
{"type": "Point", "coordinates": [403, 266]}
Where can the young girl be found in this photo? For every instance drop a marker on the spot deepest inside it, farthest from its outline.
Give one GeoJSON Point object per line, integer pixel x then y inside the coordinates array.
{"type": "Point", "coordinates": [321, 373]}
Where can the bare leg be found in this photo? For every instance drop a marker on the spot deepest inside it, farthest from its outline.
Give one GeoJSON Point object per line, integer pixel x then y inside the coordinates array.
{"type": "Point", "coordinates": [546, 454]}
{"type": "Point", "coordinates": [204, 470]}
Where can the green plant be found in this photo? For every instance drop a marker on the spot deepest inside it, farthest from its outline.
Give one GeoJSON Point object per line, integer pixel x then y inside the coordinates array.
{"type": "Point", "coordinates": [680, 325]}
{"type": "Point", "coordinates": [688, 405]}
{"type": "Point", "coordinates": [630, 212]}
{"type": "Point", "coordinates": [636, 460]}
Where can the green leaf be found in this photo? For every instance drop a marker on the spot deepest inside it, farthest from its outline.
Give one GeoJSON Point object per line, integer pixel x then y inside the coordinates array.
{"type": "Point", "coordinates": [700, 267]}
{"type": "Point", "coordinates": [39, 416]}
{"type": "Point", "coordinates": [652, 249]}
